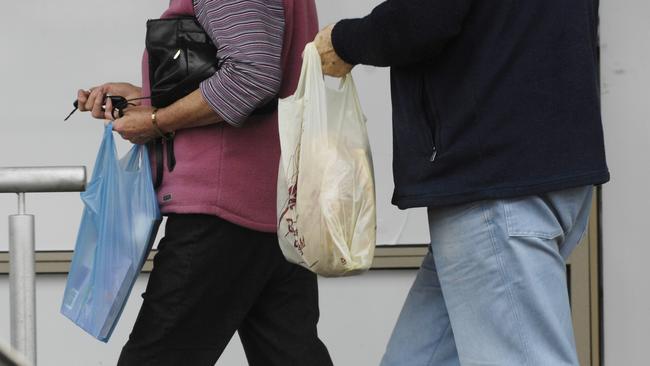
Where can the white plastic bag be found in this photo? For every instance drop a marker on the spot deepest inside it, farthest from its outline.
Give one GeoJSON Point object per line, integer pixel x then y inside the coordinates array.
{"type": "Point", "coordinates": [326, 191]}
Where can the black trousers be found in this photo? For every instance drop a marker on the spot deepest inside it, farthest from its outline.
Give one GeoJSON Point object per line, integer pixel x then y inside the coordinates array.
{"type": "Point", "coordinates": [212, 278]}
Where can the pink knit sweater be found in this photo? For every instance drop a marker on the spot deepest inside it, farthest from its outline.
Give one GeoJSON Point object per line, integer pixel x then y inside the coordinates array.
{"type": "Point", "coordinates": [227, 171]}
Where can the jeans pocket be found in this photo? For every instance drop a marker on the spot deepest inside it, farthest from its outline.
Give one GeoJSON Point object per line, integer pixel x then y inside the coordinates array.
{"type": "Point", "coordinates": [531, 216]}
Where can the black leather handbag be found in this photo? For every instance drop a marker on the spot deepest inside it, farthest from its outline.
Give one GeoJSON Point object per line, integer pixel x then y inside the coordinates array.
{"type": "Point", "coordinates": [181, 55]}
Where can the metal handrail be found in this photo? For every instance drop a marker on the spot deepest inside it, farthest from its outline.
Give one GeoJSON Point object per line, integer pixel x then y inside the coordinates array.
{"type": "Point", "coordinates": [22, 277]}
{"type": "Point", "coordinates": [43, 179]}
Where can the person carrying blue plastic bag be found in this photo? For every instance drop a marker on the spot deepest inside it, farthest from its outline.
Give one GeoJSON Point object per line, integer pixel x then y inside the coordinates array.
{"type": "Point", "coordinates": [219, 269]}
{"type": "Point", "coordinates": [118, 226]}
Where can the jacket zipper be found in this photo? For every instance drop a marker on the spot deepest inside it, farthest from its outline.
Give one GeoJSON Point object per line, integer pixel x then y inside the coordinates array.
{"type": "Point", "coordinates": [435, 153]}
{"type": "Point", "coordinates": [433, 130]}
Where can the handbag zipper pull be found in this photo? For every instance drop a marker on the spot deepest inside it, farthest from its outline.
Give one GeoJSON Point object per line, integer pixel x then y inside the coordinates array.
{"type": "Point", "coordinates": [434, 155]}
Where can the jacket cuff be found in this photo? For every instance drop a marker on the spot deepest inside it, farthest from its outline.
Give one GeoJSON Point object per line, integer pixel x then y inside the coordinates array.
{"type": "Point", "coordinates": [342, 41]}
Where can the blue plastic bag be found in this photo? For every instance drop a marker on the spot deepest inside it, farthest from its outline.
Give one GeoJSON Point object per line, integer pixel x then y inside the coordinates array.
{"type": "Point", "coordinates": [118, 227]}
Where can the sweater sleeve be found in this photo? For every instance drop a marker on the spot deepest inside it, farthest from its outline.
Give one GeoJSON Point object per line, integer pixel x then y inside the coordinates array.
{"type": "Point", "coordinates": [249, 35]}
{"type": "Point", "coordinates": [400, 32]}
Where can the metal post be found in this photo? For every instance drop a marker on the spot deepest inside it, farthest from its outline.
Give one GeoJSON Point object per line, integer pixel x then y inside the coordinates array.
{"type": "Point", "coordinates": [22, 284]}
{"type": "Point", "coordinates": [21, 204]}
{"type": "Point", "coordinates": [22, 277]}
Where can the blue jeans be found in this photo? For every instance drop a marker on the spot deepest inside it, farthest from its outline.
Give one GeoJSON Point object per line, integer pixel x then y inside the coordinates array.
{"type": "Point", "coordinates": [493, 290]}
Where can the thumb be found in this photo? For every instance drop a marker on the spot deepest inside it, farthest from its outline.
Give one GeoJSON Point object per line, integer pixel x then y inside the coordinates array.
{"type": "Point", "coordinates": [108, 109]}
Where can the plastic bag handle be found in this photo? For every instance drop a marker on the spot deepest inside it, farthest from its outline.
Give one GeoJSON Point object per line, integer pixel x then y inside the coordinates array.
{"type": "Point", "coordinates": [348, 85]}
{"type": "Point", "coordinates": [311, 68]}
{"type": "Point", "coordinates": [136, 158]}
{"type": "Point", "coordinates": [106, 148]}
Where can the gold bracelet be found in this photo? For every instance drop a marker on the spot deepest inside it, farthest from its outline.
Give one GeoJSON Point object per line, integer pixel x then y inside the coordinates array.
{"type": "Point", "coordinates": [154, 122]}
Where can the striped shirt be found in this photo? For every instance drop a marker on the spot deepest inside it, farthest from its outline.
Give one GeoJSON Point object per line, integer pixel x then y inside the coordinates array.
{"type": "Point", "coordinates": [249, 37]}
{"type": "Point", "coordinates": [222, 170]}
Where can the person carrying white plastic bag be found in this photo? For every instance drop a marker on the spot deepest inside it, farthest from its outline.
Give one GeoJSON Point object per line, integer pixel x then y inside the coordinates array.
{"type": "Point", "coordinates": [326, 191]}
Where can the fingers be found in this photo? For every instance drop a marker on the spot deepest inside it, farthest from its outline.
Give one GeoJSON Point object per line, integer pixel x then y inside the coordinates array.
{"type": "Point", "coordinates": [331, 63]}
{"type": "Point", "coordinates": [323, 40]}
{"type": "Point", "coordinates": [334, 66]}
{"type": "Point", "coordinates": [108, 110]}
{"type": "Point", "coordinates": [133, 127]}
{"type": "Point", "coordinates": [137, 140]}
{"type": "Point", "coordinates": [93, 101]}
{"type": "Point", "coordinates": [119, 128]}
{"type": "Point", "coordinates": [88, 100]}
{"type": "Point", "coordinates": [82, 98]}
{"type": "Point", "coordinates": [96, 102]}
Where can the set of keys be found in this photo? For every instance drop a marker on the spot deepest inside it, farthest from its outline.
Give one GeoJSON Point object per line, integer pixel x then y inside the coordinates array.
{"type": "Point", "coordinates": [119, 104]}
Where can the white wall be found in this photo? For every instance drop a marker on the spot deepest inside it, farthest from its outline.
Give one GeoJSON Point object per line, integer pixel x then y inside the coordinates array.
{"type": "Point", "coordinates": [357, 316]}
{"type": "Point", "coordinates": [625, 38]}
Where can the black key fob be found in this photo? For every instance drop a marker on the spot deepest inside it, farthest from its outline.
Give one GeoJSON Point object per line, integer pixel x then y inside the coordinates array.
{"type": "Point", "coordinates": [119, 103]}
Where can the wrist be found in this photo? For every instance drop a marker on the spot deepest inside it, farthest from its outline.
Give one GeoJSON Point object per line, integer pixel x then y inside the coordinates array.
{"type": "Point", "coordinates": [158, 130]}
{"type": "Point", "coordinates": [162, 121]}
